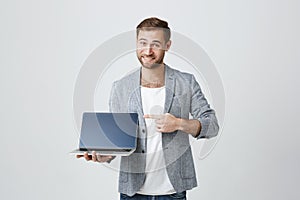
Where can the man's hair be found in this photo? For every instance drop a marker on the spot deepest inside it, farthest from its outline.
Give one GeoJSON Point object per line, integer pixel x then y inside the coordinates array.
{"type": "Point", "coordinates": [154, 23]}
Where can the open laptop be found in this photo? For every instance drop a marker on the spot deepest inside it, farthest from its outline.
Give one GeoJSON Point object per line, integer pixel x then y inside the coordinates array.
{"type": "Point", "coordinates": [108, 133]}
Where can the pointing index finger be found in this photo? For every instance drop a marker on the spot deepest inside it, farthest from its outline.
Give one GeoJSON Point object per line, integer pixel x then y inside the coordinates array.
{"type": "Point", "coordinates": [149, 116]}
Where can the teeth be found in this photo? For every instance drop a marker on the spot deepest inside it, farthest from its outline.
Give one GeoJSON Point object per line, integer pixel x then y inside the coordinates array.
{"type": "Point", "coordinates": [147, 58]}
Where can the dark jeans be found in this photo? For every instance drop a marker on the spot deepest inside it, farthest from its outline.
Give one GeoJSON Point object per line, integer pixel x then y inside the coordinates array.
{"type": "Point", "coordinates": [178, 196]}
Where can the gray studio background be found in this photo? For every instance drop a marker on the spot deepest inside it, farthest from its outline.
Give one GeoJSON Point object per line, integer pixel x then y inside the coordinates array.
{"type": "Point", "coordinates": [254, 45]}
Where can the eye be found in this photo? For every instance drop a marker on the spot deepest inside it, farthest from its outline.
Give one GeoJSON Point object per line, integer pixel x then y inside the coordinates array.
{"type": "Point", "coordinates": [156, 45]}
{"type": "Point", "coordinates": [143, 43]}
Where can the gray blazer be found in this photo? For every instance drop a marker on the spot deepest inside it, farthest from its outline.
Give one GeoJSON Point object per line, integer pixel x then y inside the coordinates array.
{"type": "Point", "coordinates": [183, 97]}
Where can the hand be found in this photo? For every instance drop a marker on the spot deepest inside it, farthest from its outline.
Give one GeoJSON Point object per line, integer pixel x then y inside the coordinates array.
{"type": "Point", "coordinates": [96, 157]}
{"type": "Point", "coordinates": [165, 123]}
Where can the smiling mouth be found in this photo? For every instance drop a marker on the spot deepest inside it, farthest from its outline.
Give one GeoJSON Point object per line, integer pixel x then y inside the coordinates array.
{"type": "Point", "coordinates": [147, 59]}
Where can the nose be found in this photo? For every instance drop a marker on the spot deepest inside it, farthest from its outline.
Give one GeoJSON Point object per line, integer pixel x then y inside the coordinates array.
{"type": "Point", "coordinates": [148, 50]}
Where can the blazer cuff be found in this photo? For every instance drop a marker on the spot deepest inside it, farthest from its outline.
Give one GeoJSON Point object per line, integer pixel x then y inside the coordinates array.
{"type": "Point", "coordinates": [209, 128]}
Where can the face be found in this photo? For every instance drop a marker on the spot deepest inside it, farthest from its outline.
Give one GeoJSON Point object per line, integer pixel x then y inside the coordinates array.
{"type": "Point", "coordinates": [151, 47]}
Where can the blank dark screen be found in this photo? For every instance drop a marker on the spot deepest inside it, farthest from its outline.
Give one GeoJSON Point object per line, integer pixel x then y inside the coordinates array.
{"type": "Point", "coordinates": [108, 130]}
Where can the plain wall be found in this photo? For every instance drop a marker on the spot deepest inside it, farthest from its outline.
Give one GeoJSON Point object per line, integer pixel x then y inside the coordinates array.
{"type": "Point", "coordinates": [255, 46]}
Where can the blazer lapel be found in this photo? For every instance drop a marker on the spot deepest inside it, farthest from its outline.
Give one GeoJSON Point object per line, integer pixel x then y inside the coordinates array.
{"type": "Point", "coordinates": [137, 98]}
{"type": "Point", "coordinates": [170, 88]}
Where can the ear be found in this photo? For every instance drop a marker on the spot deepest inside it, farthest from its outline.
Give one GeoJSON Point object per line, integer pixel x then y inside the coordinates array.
{"type": "Point", "coordinates": [168, 45]}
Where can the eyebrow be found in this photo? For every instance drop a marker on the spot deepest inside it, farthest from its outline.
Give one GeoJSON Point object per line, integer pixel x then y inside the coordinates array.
{"type": "Point", "coordinates": [156, 41]}
{"type": "Point", "coordinates": [143, 39]}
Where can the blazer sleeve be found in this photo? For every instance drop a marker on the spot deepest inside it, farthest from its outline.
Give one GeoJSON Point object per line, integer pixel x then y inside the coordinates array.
{"type": "Point", "coordinates": [200, 109]}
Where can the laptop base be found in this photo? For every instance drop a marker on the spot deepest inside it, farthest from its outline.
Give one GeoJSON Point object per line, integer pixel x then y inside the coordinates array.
{"type": "Point", "coordinates": [106, 152]}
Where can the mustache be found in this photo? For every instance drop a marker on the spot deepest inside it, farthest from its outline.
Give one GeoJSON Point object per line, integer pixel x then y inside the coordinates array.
{"type": "Point", "coordinates": [147, 56]}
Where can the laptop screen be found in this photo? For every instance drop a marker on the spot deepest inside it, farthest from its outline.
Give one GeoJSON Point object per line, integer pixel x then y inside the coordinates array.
{"type": "Point", "coordinates": [108, 130]}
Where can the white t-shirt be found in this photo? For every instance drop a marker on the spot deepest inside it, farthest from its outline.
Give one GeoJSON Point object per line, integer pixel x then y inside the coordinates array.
{"type": "Point", "coordinates": [157, 181]}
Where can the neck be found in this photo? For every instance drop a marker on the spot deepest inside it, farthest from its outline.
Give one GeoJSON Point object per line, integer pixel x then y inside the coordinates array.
{"type": "Point", "coordinates": [153, 77]}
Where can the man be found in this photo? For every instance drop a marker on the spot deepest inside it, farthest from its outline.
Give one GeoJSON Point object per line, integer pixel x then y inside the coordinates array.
{"type": "Point", "coordinates": [162, 166]}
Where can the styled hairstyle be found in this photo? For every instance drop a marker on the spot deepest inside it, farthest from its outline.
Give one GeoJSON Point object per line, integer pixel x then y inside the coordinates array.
{"type": "Point", "coordinates": [154, 23]}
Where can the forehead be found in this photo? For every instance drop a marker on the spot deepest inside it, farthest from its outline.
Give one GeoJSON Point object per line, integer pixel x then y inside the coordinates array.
{"type": "Point", "coordinates": [151, 35]}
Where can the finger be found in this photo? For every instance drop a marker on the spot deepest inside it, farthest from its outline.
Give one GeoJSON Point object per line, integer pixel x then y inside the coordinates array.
{"type": "Point", "coordinates": [159, 128]}
{"type": "Point", "coordinates": [86, 156]}
{"type": "Point", "coordinates": [149, 116]}
{"type": "Point", "coordinates": [79, 156]}
{"type": "Point", "coordinates": [99, 158]}
{"type": "Point", "coordinates": [94, 156]}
